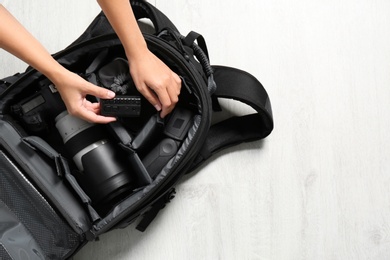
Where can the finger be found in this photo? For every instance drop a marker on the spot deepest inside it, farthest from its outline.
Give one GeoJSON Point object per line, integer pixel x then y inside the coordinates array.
{"type": "Point", "coordinates": [90, 113]}
{"type": "Point", "coordinates": [99, 92]}
{"type": "Point", "coordinates": [173, 91]}
{"type": "Point", "coordinates": [177, 83]}
{"type": "Point", "coordinates": [166, 101]}
{"type": "Point", "coordinates": [93, 117]}
{"type": "Point", "coordinates": [95, 107]}
{"type": "Point", "coordinates": [150, 96]}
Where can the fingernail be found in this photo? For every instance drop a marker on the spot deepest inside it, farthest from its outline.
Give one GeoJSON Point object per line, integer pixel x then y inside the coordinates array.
{"type": "Point", "coordinates": [157, 107]}
{"type": "Point", "coordinates": [110, 94]}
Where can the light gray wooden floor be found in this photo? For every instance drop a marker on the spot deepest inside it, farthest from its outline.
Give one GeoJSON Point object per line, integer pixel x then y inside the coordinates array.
{"type": "Point", "coordinates": [319, 186]}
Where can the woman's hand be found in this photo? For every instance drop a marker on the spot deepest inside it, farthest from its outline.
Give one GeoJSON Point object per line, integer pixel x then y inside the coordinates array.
{"type": "Point", "coordinates": [74, 89]}
{"type": "Point", "coordinates": [155, 81]}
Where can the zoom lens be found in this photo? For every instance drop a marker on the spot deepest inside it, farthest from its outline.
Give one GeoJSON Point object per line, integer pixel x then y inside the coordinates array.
{"type": "Point", "coordinates": [103, 174]}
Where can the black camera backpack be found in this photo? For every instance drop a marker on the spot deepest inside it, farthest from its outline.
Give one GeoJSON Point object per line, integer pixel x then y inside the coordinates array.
{"type": "Point", "coordinates": [44, 211]}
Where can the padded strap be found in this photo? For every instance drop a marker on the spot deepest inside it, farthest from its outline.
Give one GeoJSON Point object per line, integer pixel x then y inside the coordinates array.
{"type": "Point", "coordinates": [99, 26]}
{"type": "Point", "coordinates": [141, 9]}
{"type": "Point", "coordinates": [238, 85]}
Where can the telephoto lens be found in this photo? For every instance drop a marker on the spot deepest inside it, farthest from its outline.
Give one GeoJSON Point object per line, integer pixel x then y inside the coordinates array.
{"type": "Point", "coordinates": [103, 174]}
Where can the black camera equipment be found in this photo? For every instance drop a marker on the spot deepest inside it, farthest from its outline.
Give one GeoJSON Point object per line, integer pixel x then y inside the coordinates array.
{"type": "Point", "coordinates": [150, 133]}
{"type": "Point", "coordinates": [176, 130]}
{"type": "Point", "coordinates": [159, 156]}
{"type": "Point", "coordinates": [103, 174]}
{"type": "Point", "coordinates": [179, 123]}
{"type": "Point", "coordinates": [116, 76]}
{"type": "Point", "coordinates": [36, 110]}
{"type": "Point", "coordinates": [121, 106]}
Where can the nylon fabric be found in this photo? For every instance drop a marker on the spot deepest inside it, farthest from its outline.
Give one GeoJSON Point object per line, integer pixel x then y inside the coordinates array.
{"type": "Point", "coordinates": [49, 235]}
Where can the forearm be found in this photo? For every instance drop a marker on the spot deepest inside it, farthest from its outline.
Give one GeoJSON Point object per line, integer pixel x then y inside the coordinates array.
{"type": "Point", "coordinates": [15, 39]}
{"type": "Point", "coordinates": [121, 18]}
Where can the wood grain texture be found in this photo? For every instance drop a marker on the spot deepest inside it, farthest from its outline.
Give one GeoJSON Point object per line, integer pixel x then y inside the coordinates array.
{"type": "Point", "coordinates": [319, 186]}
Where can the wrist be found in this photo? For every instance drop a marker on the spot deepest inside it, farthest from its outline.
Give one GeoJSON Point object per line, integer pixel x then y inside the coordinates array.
{"type": "Point", "coordinates": [136, 50]}
{"type": "Point", "coordinates": [55, 73]}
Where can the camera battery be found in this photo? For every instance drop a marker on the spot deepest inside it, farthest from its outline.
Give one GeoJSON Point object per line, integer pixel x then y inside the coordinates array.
{"type": "Point", "coordinates": [121, 106]}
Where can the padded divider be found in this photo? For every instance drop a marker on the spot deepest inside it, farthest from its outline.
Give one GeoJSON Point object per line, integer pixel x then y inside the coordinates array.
{"type": "Point", "coordinates": [45, 177]}
{"type": "Point", "coordinates": [125, 139]}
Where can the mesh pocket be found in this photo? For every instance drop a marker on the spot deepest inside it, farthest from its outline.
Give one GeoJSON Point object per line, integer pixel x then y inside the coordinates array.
{"type": "Point", "coordinates": [4, 254]}
{"type": "Point", "coordinates": [53, 235]}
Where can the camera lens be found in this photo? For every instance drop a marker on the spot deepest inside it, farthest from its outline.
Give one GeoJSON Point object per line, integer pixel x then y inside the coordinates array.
{"type": "Point", "coordinates": [103, 173]}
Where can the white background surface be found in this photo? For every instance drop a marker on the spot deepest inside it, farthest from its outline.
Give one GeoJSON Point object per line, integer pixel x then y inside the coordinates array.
{"type": "Point", "coordinates": [318, 187]}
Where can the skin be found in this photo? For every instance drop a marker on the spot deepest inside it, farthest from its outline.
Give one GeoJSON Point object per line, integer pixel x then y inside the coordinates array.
{"type": "Point", "coordinates": [153, 79]}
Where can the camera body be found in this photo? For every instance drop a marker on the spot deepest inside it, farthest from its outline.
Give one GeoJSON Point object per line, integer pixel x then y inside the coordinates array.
{"type": "Point", "coordinates": [36, 111]}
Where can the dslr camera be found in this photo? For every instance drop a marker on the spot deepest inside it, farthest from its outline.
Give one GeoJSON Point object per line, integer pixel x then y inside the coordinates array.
{"type": "Point", "coordinates": [36, 111]}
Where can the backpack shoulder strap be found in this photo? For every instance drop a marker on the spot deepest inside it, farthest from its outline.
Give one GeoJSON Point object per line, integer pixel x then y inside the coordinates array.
{"type": "Point", "coordinates": [141, 9]}
{"type": "Point", "coordinates": [241, 86]}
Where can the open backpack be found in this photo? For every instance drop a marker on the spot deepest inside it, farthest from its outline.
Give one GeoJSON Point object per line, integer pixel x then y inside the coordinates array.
{"type": "Point", "coordinates": [64, 181]}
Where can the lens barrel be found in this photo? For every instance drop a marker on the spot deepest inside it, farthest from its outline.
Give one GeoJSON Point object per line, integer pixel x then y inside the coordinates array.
{"type": "Point", "coordinates": [103, 174]}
